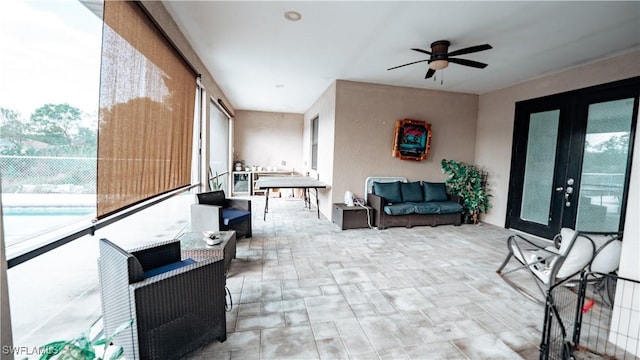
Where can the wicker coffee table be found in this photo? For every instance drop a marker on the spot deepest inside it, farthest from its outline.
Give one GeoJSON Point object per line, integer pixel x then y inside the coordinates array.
{"type": "Point", "coordinates": [192, 245]}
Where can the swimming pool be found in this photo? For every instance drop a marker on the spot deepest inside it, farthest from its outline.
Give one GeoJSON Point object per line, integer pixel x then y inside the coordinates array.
{"type": "Point", "coordinates": [22, 223]}
{"type": "Point", "coordinates": [47, 210]}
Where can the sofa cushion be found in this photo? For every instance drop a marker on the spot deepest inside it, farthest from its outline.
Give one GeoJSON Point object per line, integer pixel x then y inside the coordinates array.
{"type": "Point", "coordinates": [168, 267]}
{"type": "Point", "coordinates": [447, 207]}
{"type": "Point", "coordinates": [400, 209]}
{"type": "Point", "coordinates": [389, 191]}
{"type": "Point", "coordinates": [425, 208]}
{"type": "Point", "coordinates": [234, 216]}
{"type": "Point", "coordinates": [411, 191]}
{"type": "Point", "coordinates": [435, 191]}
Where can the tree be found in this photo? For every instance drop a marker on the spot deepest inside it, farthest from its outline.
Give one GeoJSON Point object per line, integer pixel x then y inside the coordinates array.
{"type": "Point", "coordinates": [615, 144]}
{"type": "Point", "coordinates": [609, 156]}
{"type": "Point", "coordinates": [85, 143]}
{"type": "Point", "coordinates": [56, 124]}
{"type": "Point", "coordinates": [12, 131]}
{"type": "Point", "coordinates": [57, 127]}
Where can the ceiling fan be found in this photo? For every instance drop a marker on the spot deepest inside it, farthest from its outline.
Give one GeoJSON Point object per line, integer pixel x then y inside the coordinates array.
{"type": "Point", "coordinates": [440, 58]}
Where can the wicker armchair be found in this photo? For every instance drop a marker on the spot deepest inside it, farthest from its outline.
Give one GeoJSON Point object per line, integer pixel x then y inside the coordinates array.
{"type": "Point", "coordinates": [177, 305]}
{"type": "Point", "coordinates": [216, 212]}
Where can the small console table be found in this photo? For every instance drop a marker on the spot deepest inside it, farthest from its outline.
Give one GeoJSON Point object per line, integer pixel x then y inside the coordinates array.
{"type": "Point", "coordinates": [351, 217]}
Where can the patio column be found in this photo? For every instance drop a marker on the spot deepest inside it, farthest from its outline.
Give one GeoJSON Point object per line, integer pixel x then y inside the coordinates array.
{"type": "Point", "coordinates": [6, 335]}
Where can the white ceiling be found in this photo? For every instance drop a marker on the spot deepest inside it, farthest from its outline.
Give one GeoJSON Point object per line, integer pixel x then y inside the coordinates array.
{"type": "Point", "coordinates": [264, 62]}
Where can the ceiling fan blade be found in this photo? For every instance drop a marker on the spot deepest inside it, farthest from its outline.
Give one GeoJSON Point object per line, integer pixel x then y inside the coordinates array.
{"type": "Point", "coordinates": [466, 62]}
{"type": "Point", "coordinates": [411, 63]}
{"type": "Point", "coordinates": [429, 73]}
{"type": "Point", "coordinates": [471, 49]}
{"type": "Point", "coordinates": [422, 51]}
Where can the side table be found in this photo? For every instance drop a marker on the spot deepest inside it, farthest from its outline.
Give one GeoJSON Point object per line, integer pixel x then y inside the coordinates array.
{"type": "Point", "coordinates": [351, 217]}
{"type": "Point", "coordinates": [193, 245]}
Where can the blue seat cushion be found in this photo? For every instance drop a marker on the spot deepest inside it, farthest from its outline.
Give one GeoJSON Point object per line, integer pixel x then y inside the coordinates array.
{"type": "Point", "coordinates": [234, 216]}
{"type": "Point", "coordinates": [427, 208]}
{"type": "Point", "coordinates": [389, 191]}
{"type": "Point", "coordinates": [448, 207]}
{"type": "Point", "coordinates": [168, 267]}
{"type": "Point", "coordinates": [400, 209]}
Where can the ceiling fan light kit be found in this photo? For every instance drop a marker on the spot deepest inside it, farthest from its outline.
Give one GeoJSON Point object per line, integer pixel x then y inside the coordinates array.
{"type": "Point", "coordinates": [438, 64]}
{"type": "Point", "coordinates": [439, 57]}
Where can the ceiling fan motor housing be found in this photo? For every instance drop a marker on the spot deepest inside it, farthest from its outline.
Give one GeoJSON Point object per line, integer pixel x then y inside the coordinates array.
{"type": "Point", "coordinates": [439, 50]}
{"type": "Point", "coordinates": [439, 57]}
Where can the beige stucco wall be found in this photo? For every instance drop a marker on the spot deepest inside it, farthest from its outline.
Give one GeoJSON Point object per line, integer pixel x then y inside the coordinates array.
{"type": "Point", "coordinates": [325, 109]}
{"type": "Point", "coordinates": [361, 136]}
{"type": "Point", "coordinates": [267, 139]}
{"type": "Point", "coordinates": [629, 267]}
{"type": "Point", "coordinates": [624, 335]}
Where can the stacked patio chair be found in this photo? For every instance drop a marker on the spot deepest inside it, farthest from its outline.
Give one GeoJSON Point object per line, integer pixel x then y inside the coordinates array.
{"type": "Point", "coordinates": [550, 262]}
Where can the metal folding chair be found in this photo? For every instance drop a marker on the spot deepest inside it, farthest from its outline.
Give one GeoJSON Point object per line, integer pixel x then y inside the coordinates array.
{"type": "Point", "coordinates": [548, 262]}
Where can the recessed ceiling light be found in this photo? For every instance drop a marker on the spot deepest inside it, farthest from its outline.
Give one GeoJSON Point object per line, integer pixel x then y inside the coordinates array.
{"type": "Point", "coordinates": [292, 15]}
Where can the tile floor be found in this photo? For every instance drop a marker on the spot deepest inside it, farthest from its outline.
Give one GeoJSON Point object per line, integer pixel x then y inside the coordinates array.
{"type": "Point", "coordinates": [304, 289]}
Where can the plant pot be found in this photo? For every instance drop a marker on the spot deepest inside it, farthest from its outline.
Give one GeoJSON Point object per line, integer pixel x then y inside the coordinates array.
{"type": "Point", "coordinates": [467, 219]}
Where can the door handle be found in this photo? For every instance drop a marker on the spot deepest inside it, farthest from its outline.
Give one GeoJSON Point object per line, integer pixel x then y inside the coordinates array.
{"type": "Point", "coordinates": [567, 194]}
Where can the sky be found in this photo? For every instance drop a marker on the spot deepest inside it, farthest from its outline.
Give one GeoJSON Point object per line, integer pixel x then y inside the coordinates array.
{"type": "Point", "coordinates": [50, 54]}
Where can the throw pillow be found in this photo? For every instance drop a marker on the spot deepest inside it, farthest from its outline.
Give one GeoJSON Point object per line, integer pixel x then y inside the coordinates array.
{"type": "Point", "coordinates": [435, 191]}
{"type": "Point", "coordinates": [411, 191]}
{"type": "Point", "coordinates": [389, 191]}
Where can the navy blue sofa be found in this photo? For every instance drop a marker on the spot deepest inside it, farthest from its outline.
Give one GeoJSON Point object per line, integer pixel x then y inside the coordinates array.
{"type": "Point", "coordinates": [411, 204]}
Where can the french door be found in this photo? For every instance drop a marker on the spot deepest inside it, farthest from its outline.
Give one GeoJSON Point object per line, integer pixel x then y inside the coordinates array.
{"type": "Point", "coordinates": [571, 160]}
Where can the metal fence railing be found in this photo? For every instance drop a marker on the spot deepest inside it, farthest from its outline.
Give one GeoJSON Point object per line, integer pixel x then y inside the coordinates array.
{"type": "Point", "coordinates": [42, 175]}
{"type": "Point", "coordinates": [582, 321]}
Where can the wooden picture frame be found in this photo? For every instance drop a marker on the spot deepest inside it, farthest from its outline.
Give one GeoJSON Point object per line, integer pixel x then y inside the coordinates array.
{"type": "Point", "coordinates": [412, 140]}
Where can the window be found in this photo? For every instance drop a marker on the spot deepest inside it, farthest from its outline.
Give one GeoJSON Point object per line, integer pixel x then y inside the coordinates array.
{"type": "Point", "coordinates": [48, 118]}
{"type": "Point", "coordinates": [49, 110]}
{"type": "Point", "coordinates": [63, 74]}
{"type": "Point", "coordinates": [218, 147]}
{"type": "Point", "coordinates": [49, 93]}
{"type": "Point", "coordinates": [314, 143]}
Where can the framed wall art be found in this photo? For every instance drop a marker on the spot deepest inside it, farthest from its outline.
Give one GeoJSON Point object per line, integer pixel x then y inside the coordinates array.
{"type": "Point", "coordinates": [412, 140]}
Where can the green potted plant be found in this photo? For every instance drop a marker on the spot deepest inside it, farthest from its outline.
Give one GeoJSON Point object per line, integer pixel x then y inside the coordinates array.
{"type": "Point", "coordinates": [214, 182]}
{"type": "Point", "coordinates": [468, 182]}
{"type": "Point", "coordinates": [83, 348]}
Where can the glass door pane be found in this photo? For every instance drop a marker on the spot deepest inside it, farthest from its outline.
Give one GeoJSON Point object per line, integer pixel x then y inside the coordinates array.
{"type": "Point", "coordinates": [604, 165]}
{"type": "Point", "coordinates": [537, 190]}
{"type": "Point", "coordinates": [219, 145]}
